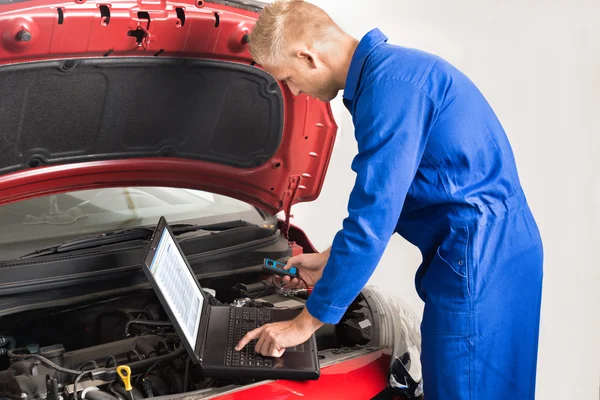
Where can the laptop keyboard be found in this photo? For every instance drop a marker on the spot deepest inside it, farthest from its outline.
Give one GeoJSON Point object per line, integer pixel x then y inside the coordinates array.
{"type": "Point", "coordinates": [242, 321]}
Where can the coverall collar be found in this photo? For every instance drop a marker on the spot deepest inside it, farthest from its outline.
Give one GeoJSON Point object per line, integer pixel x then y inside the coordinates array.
{"type": "Point", "coordinates": [371, 40]}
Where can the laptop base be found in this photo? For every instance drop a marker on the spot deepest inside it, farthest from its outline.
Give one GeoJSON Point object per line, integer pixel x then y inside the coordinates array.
{"type": "Point", "coordinates": [296, 363]}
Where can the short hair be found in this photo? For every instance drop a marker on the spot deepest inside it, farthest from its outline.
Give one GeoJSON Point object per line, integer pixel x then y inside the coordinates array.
{"type": "Point", "coordinates": [283, 20]}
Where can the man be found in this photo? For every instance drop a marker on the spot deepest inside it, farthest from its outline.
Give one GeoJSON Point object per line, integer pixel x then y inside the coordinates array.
{"type": "Point", "coordinates": [434, 165]}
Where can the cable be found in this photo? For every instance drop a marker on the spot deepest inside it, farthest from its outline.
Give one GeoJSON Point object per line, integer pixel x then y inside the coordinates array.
{"type": "Point", "coordinates": [113, 391]}
{"type": "Point", "coordinates": [88, 362]}
{"type": "Point", "coordinates": [144, 322]}
{"type": "Point", "coordinates": [145, 375]}
{"type": "Point", "coordinates": [152, 367]}
{"type": "Point", "coordinates": [300, 279]}
{"type": "Point", "coordinates": [43, 360]}
{"type": "Point", "coordinates": [75, 395]}
{"type": "Point", "coordinates": [278, 286]}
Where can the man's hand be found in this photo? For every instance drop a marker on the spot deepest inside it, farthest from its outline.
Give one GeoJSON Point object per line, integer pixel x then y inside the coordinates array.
{"type": "Point", "coordinates": [274, 338]}
{"type": "Point", "coordinates": [310, 267]}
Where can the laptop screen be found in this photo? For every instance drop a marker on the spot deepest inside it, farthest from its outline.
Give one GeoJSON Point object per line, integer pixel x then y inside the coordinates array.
{"type": "Point", "coordinates": [178, 286]}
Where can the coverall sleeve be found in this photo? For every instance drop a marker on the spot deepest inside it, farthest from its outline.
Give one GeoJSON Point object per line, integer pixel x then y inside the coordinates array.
{"type": "Point", "coordinates": [392, 121]}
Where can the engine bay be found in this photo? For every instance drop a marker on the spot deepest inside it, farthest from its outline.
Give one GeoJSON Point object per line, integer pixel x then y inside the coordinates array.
{"type": "Point", "coordinates": [73, 352]}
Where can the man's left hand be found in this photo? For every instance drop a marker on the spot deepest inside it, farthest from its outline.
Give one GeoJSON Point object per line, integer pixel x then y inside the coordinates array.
{"type": "Point", "coordinates": [275, 337]}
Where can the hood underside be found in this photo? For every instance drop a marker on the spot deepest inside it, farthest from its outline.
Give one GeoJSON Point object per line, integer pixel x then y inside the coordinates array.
{"type": "Point", "coordinates": [136, 93]}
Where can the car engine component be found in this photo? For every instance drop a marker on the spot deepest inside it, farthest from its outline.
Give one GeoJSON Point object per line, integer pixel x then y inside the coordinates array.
{"type": "Point", "coordinates": [73, 353]}
{"type": "Point", "coordinates": [54, 372]}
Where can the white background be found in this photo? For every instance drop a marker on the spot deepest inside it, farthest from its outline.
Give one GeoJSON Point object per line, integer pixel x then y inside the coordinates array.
{"type": "Point", "coordinates": [538, 64]}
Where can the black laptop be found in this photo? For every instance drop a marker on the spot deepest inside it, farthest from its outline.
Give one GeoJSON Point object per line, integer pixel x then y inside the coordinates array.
{"type": "Point", "coordinates": [210, 333]}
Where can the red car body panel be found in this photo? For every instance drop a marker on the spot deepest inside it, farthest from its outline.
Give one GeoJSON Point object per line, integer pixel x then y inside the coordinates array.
{"type": "Point", "coordinates": [359, 378]}
{"type": "Point", "coordinates": [80, 29]}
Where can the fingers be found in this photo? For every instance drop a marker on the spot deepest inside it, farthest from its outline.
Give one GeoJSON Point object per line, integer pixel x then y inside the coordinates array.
{"type": "Point", "coordinates": [267, 344]}
{"type": "Point", "coordinates": [285, 281]}
{"type": "Point", "coordinates": [264, 343]}
{"type": "Point", "coordinates": [296, 260]}
{"type": "Point", "coordinates": [261, 342]}
{"type": "Point", "coordinates": [249, 336]}
{"type": "Point", "coordinates": [293, 283]}
{"type": "Point", "coordinates": [279, 352]}
{"type": "Point", "coordinates": [274, 350]}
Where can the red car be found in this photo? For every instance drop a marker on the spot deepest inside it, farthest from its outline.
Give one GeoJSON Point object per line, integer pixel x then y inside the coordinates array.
{"type": "Point", "coordinates": [115, 113]}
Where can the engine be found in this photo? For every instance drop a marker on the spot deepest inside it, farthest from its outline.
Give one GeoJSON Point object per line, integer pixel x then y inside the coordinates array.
{"type": "Point", "coordinates": [51, 372]}
{"type": "Point", "coordinates": [75, 353]}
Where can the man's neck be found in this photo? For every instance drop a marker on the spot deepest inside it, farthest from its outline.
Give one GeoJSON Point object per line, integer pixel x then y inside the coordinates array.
{"type": "Point", "coordinates": [347, 48]}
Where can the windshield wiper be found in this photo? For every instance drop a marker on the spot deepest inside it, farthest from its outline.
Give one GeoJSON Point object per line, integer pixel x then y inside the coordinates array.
{"type": "Point", "coordinates": [126, 235]}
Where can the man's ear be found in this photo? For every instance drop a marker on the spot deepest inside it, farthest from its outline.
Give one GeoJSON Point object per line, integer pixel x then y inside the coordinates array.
{"type": "Point", "coordinates": [310, 57]}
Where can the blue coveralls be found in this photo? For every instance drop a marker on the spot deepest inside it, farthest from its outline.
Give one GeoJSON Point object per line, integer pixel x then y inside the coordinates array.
{"type": "Point", "coordinates": [435, 165]}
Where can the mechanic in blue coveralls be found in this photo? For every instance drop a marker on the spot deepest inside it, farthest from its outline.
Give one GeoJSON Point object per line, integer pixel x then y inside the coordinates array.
{"type": "Point", "coordinates": [435, 166]}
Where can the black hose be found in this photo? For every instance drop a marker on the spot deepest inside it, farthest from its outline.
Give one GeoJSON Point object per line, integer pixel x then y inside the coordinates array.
{"type": "Point", "coordinates": [98, 395]}
{"type": "Point", "coordinates": [133, 394]}
{"type": "Point", "coordinates": [43, 360]}
{"type": "Point", "coordinates": [144, 347]}
{"type": "Point", "coordinates": [113, 391]}
{"type": "Point", "coordinates": [137, 367]}
{"type": "Point", "coordinates": [144, 322]}
{"type": "Point", "coordinates": [140, 366]}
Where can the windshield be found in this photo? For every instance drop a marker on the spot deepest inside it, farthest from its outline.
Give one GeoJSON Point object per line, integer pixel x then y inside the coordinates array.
{"type": "Point", "coordinates": [46, 221]}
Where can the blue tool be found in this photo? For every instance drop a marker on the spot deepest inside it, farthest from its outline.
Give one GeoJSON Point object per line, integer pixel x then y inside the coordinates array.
{"type": "Point", "coordinates": [275, 267]}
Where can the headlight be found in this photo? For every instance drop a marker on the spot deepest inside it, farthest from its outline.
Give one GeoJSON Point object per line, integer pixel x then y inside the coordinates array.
{"type": "Point", "coordinates": [399, 329]}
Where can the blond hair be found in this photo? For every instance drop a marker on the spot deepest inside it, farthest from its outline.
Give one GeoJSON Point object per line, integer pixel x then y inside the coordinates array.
{"type": "Point", "coordinates": [285, 20]}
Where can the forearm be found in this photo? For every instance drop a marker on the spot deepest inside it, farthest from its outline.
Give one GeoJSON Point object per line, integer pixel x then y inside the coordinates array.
{"type": "Point", "coordinates": [353, 259]}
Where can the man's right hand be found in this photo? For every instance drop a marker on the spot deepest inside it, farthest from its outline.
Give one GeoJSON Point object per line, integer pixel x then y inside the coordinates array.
{"type": "Point", "coordinates": [310, 267]}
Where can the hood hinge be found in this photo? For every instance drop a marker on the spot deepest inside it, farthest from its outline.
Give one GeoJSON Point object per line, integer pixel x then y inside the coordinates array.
{"type": "Point", "coordinates": [288, 200]}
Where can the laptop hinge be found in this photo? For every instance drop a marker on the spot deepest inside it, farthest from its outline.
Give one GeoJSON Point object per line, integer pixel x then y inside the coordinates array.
{"type": "Point", "coordinates": [203, 330]}
{"type": "Point", "coordinates": [289, 196]}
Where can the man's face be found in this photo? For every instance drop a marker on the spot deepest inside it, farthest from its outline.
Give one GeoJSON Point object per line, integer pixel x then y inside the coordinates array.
{"type": "Point", "coordinates": [306, 75]}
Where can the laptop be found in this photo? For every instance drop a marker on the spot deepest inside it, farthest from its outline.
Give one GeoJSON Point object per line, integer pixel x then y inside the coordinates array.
{"type": "Point", "coordinates": [210, 333]}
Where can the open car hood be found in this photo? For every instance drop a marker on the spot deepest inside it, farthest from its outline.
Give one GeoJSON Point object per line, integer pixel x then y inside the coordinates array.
{"type": "Point", "coordinates": [151, 92]}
